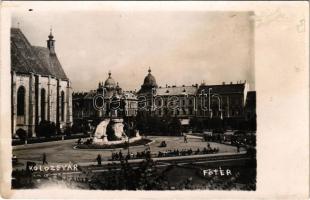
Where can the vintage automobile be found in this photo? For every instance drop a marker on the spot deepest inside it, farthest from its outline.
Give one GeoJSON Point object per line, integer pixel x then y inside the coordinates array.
{"type": "Point", "coordinates": [163, 144]}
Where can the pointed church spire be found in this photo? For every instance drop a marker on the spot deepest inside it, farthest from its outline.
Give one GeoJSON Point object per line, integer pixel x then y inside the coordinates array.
{"type": "Point", "coordinates": [51, 42]}
{"type": "Point", "coordinates": [51, 33]}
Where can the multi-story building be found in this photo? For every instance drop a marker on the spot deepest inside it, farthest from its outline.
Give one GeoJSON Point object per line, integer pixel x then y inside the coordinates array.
{"type": "Point", "coordinates": [108, 100]}
{"type": "Point", "coordinates": [40, 88]}
{"type": "Point", "coordinates": [226, 102]}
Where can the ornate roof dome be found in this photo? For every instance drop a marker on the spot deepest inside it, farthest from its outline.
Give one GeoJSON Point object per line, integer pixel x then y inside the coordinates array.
{"type": "Point", "coordinates": [149, 80]}
{"type": "Point", "coordinates": [109, 83]}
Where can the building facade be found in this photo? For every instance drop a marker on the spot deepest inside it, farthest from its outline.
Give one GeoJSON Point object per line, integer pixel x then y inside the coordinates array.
{"type": "Point", "coordinates": [224, 102]}
{"type": "Point", "coordinates": [107, 101]}
{"type": "Point", "coordinates": [40, 89]}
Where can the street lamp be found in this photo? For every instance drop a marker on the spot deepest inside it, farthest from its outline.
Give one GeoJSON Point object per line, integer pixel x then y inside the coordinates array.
{"type": "Point", "coordinates": [128, 127]}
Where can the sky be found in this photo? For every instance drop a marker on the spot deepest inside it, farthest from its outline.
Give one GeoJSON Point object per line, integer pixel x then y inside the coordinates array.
{"type": "Point", "coordinates": [180, 47]}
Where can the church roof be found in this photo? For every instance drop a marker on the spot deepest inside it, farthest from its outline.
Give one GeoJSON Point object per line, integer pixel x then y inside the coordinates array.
{"type": "Point", "coordinates": [26, 58]}
{"type": "Point", "coordinates": [50, 61]}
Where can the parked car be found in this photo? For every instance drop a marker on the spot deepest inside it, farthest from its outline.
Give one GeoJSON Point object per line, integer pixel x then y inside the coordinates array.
{"type": "Point", "coordinates": [163, 144]}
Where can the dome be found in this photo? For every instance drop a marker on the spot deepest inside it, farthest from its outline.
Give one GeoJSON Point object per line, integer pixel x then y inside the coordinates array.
{"type": "Point", "coordinates": [109, 83]}
{"type": "Point", "coordinates": [149, 80]}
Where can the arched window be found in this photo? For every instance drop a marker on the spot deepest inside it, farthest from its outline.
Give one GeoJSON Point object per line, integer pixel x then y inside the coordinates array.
{"type": "Point", "coordinates": [62, 106]}
{"type": "Point", "coordinates": [21, 101]}
{"type": "Point", "coordinates": [43, 100]}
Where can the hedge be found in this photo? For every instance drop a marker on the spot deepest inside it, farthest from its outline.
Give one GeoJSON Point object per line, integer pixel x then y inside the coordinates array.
{"type": "Point", "coordinates": [44, 139]}
{"type": "Point", "coordinates": [122, 145]}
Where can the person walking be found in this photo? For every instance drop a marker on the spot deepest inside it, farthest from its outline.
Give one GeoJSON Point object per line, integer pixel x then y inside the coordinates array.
{"type": "Point", "coordinates": [79, 141]}
{"type": "Point", "coordinates": [99, 159]}
{"type": "Point", "coordinates": [238, 147]}
{"type": "Point", "coordinates": [185, 138]}
{"type": "Point", "coordinates": [44, 160]}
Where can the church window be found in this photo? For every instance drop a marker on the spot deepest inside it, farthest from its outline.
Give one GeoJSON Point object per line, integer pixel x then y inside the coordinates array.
{"type": "Point", "coordinates": [43, 104]}
{"type": "Point", "coordinates": [62, 106]}
{"type": "Point", "coordinates": [21, 101]}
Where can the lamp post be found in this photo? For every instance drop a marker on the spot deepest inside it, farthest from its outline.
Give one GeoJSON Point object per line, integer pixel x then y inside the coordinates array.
{"type": "Point", "coordinates": [128, 127]}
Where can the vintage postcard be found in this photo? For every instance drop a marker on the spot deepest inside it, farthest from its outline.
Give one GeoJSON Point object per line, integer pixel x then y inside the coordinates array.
{"type": "Point", "coordinates": [149, 97]}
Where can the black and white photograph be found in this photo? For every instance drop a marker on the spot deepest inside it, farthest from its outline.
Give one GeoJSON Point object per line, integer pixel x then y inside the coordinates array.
{"type": "Point", "coordinates": [134, 99]}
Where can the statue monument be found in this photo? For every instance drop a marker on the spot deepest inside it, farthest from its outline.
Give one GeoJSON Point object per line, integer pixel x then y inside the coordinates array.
{"type": "Point", "coordinates": [115, 127]}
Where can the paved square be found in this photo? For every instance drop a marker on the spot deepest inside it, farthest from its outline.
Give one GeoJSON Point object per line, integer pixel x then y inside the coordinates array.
{"type": "Point", "coordinates": [64, 152]}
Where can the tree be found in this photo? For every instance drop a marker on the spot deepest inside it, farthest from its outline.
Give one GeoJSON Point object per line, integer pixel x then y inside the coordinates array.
{"type": "Point", "coordinates": [46, 129]}
{"type": "Point", "coordinates": [22, 134]}
{"type": "Point", "coordinates": [175, 126]}
{"type": "Point", "coordinates": [141, 123]}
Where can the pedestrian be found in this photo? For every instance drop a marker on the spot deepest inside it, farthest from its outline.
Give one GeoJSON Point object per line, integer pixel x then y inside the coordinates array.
{"type": "Point", "coordinates": [79, 141]}
{"type": "Point", "coordinates": [44, 160]}
{"type": "Point", "coordinates": [185, 139]}
{"type": "Point", "coordinates": [120, 155]}
{"type": "Point", "coordinates": [208, 145]}
{"type": "Point", "coordinates": [99, 159]}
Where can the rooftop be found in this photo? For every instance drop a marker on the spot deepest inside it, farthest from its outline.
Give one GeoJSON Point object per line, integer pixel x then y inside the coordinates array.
{"type": "Point", "coordinates": [26, 58]}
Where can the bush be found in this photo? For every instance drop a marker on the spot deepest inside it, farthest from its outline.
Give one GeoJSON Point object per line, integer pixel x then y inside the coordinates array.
{"type": "Point", "coordinates": [45, 139]}
{"type": "Point", "coordinates": [79, 127]}
{"type": "Point", "coordinates": [175, 126]}
{"type": "Point", "coordinates": [76, 136]}
{"type": "Point", "coordinates": [113, 146]}
{"type": "Point", "coordinates": [46, 129]}
{"type": "Point", "coordinates": [22, 134]}
{"type": "Point", "coordinates": [68, 131]}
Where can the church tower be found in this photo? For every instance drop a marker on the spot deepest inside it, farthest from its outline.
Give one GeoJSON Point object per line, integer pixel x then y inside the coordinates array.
{"type": "Point", "coordinates": [51, 43]}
